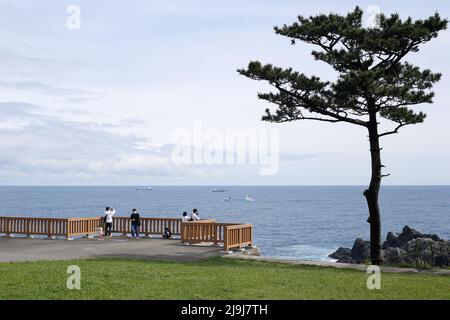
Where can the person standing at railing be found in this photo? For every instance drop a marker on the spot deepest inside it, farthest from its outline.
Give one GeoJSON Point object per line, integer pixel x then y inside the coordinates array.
{"type": "Point", "coordinates": [185, 217]}
{"type": "Point", "coordinates": [109, 212]}
{"type": "Point", "coordinates": [195, 216]}
{"type": "Point", "coordinates": [135, 223]}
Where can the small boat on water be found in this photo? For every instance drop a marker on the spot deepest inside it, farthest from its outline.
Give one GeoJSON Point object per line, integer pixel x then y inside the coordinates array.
{"type": "Point", "coordinates": [218, 190]}
{"type": "Point", "coordinates": [248, 198]}
{"type": "Point", "coordinates": [146, 188]}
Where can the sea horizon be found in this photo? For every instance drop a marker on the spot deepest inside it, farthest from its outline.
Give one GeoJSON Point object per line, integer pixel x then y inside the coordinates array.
{"type": "Point", "coordinates": [227, 185]}
{"type": "Point", "coordinates": [286, 219]}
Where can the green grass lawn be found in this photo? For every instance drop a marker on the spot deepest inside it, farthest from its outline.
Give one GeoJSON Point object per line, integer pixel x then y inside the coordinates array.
{"type": "Point", "coordinates": [216, 278]}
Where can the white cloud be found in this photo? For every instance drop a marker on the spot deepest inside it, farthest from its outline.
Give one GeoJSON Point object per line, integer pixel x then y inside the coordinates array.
{"type": "Point", "coordinates": [47, 89]}
{"type": "Point", "coordinates": [34, 143]}
{"type": "Point", "coordinates": [154, 79]}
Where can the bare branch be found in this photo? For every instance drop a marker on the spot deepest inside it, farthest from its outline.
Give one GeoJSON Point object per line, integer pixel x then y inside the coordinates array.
{"type": "Point", "coordinates": [393, 131]}
{"type": "Point", "coordinates": [319, 119]}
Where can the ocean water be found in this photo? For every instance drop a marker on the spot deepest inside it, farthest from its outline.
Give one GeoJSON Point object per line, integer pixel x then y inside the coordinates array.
{"type": "Point", "coordinates": [294, 222]}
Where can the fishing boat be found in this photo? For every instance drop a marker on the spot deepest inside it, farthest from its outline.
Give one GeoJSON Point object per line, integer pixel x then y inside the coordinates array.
{"type": "Point", "coordinates": [146, 188]}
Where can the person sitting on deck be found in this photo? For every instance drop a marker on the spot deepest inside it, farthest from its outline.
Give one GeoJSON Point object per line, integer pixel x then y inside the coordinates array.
{"type": "Point", "coordinates": [135, 223]}
{"type": "Point", "coordinates": [195, 216]}
{"type": "Point", "coordinates": [185, 217]}
{"type": "Point", "coordinates": [109, 212]}
{"type": "Point", "coordinates": [167, 234]}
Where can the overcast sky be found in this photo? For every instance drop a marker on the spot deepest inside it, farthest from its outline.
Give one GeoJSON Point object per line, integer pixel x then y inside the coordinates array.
{"type": "Point", "coordinates": [100, 105]}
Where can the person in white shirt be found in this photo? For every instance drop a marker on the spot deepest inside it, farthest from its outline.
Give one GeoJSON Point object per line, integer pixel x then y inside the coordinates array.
{"type": "Point", "coordinates": [185, 217]}
{"type": "Point", "coordinates": [195, 216]}
{"type": "Point", "coordinates": [109, 212]}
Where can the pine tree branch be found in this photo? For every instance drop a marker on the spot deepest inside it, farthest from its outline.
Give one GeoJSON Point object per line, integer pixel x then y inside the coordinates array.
{"type": "Point", "coordinates": [393, 131]}
{"type": "Point", "coordinates": [322, 111]}
{"type": "Point", "coordinates": [301, 117]}
{"type": "Point", "coordinates": [395, 58]}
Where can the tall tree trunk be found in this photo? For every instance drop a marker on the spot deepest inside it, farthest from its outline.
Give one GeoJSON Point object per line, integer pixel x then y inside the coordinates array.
{"type": "Point", "coordinates": [372, 193]}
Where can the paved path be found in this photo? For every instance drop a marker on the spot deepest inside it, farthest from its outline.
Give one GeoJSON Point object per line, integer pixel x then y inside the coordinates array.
{"type": "Point", "coordinates": [361, 267]}
{"type": "Point", "coordinates": [27, 249]}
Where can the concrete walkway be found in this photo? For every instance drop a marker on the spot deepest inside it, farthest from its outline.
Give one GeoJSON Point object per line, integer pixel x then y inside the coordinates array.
{"type": "Point", "coordinates": [361, 267]}
{"type": "Point", "coordinates": [27, 249]}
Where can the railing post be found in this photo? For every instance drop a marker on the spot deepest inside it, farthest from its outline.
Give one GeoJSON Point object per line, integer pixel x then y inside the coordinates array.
{"type": "Point", "coordinates": [68, 224]}
{"type": "Point", "coordinates": [49, 228]}
{"type": "Point", "coordinates": [215, 227]}
{"type": "Point", "coordinates": [8, 226]}
{"type": "Point", "coordinates": [28, 228]}
{"type": "Point", "coordinates": [183, 232]}
{"type": "Point", "coordinates": [240, 237]}
{"type": "Point", "coordinates": [144, 225]}
{"type": "Point", "coordinates": [225, 238]}
{"type": "Point", "coordinates": [87, 227]}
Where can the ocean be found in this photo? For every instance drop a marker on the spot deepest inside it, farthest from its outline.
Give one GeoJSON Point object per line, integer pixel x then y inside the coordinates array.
{"type": "Point", "coordinates": [291, 222]}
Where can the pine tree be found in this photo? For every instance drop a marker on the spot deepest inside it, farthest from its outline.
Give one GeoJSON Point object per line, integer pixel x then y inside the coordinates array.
{"type": "Point", "coordinates": [374, 83]}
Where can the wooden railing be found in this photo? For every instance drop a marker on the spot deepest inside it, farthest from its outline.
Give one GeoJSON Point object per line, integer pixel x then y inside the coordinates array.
{"type": "Point", "coordinates": [68, 227]}
{"type": "Point", "coordinates": [73, 227]}
{"type": "Point", "coordinates": [231, 235]}
{"type": "Point", "coordinates": [200, 231]}
{"type": "Point", "coordinates": [238, 236]}
{"type": "Point", "coordinates": [148, 225]}
{"type": "Point", "coordinates": [82, 226]}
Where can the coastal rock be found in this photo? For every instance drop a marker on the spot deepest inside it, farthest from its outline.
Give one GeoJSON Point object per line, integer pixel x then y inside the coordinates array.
{"type": "Point", "coordinates": [391, 240]}
{"type": "Point", "coordinates": [346, 259]}
{"type": "Point", "coordinates": [341, 253]}
{"type": "Point", "coordinates": [360, 250]}
{"type": "Point", "coordinates": [436, 238]}
{"type": "Point", "coordinates": [407, 234]}
{"type": "Point", "coordinates": [392, 255]}
{"type": "Point", "coordinates": [410, 247]}
{"type": "Point", "coordinates": [426, 251]}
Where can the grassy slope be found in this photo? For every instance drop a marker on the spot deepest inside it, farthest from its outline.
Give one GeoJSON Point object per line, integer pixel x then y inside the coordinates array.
{"type": "Point", "coordinates": [213, 279]}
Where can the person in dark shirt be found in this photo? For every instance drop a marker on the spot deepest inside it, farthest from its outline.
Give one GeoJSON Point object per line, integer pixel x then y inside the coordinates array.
{"type": "Point", "coordinates": [167, 234]}
{"type": "Point", "coordinates": [135, 223]}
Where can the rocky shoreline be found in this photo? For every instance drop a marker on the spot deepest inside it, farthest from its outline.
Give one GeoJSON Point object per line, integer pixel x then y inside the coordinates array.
{"type": "Point", "coordinates": [410, 247]}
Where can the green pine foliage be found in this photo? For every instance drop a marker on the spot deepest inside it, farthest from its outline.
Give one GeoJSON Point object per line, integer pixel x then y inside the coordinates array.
{"type": "Point", "coordinates": [373, 77]}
